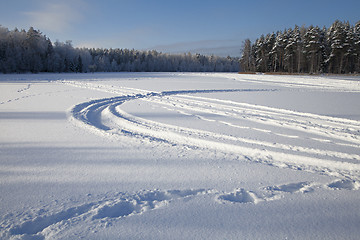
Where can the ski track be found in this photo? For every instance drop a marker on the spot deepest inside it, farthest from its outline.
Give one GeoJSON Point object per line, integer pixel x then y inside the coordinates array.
{"type": "Point", "coordinates": [44, 224]}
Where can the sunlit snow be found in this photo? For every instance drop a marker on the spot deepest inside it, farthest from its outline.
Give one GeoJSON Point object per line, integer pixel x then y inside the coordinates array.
{"type": "Point", "coordinates": [179, 156]}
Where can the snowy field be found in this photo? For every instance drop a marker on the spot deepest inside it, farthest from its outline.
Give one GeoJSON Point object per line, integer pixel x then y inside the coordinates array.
{"type": "Point", "coordinates": [179, 156]}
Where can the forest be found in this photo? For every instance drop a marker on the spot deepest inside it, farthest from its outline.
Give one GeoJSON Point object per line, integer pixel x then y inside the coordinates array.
{"type": "Point", "coordinates": [310, 50]}
{"type": "Point", "coordinates": [31, 51]}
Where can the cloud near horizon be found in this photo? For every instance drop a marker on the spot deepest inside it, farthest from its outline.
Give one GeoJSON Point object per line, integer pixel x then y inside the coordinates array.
{"type": "Point", "coordinates": [225, 47]}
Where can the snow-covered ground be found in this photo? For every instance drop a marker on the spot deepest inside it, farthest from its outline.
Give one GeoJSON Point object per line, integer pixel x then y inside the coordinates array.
{"type": "Point", "coordinates": [179, 156]}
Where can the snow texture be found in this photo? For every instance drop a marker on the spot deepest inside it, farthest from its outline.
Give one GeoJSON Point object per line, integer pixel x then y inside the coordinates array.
{"type": "Point", "coordinates": [179, 156]}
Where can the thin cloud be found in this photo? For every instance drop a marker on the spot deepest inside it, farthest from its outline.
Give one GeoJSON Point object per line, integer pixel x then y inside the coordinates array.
{"type": "Point", "coordinates": [55, 17]}
{"type": "Point", "coordinates": [131, 38]}
{"type": "Point", "coordinates": [199, 44]}
{"type": "Point", "coordinates": [224, 47]}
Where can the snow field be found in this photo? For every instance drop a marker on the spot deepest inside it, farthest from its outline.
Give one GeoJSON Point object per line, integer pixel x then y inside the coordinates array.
{"type": "Point", "coordinates": [331, 130]}
{"type": "Point", "coordinates": [172, 155]}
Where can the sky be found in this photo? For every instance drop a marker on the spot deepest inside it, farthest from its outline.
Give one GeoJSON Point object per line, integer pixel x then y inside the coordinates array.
{"type": "Point", "coordinates": [205, 26]}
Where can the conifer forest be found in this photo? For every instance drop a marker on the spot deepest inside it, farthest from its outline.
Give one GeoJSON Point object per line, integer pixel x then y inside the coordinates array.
{"type": "Point", "coordinates": [31, 51]}
{"type": "Point", "coordinates": [303, 49]}
{"type": "Point", "coordinates": [311, 50]}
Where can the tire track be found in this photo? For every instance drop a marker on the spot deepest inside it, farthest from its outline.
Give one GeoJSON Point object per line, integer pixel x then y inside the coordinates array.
{"type": "Point", "coordinates": [107, 116]}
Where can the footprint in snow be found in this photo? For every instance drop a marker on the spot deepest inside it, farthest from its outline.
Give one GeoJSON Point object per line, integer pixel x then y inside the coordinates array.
{"type": "Point", "coordinates": [270, 193]}
{"type": "Point", "coordinates": [344, 184]}
{"type": "Point", "coordinates": [303, 187]}
{"type": "Point", "coordinates": [239, 195]}
{"type": "Point", "coordinates": [123, 206]}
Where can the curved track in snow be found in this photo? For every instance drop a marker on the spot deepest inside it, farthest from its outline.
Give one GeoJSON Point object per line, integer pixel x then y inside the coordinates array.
{"type": "Point", "coordinates": [256, 133]}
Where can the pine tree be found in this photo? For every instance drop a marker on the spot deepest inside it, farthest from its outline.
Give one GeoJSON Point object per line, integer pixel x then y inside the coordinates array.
{"type": "Point", "coordinates": [357, 47]}
{"type": "Point", "coordinates": [277, 53]}
{"type": "Point", "coordinates": [246, 58]}
{"type": "Point", "coordinates": [349, 49]}
{"type": "Point", "coordinates": [290, 52]}
{"type": "Point", "coordinates": [336, 39]}
{"type": "Point", "coordinates": [79, 65]}
{"type": "Point", "coordinates": [312, 49]}
{"type": "Point", "coordinates": [269, 57]}
{"type": "Point", "coordinates": [260, 51]}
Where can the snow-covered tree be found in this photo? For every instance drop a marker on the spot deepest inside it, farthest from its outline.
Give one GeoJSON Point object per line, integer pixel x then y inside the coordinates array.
{"type": "Point", "coordinates": [313, 47]}
{"type": "Point", "coordinates": [246, 60]}
{"type": "Point", "coordinates": [277, 53]}
{"type": "Point", "coordinates": [307, 50]}
{"type": "Point", "coordinates": [357, 47]}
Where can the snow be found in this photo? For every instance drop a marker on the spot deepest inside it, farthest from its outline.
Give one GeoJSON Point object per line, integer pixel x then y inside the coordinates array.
{"type": "Point", "coordinates": [179, 156]}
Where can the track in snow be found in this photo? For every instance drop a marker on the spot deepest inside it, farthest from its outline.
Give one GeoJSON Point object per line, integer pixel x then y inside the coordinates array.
{"type": "Point", "coordinates": [45, 224]}
{"type": "Point", "coordinates": [256, 133]}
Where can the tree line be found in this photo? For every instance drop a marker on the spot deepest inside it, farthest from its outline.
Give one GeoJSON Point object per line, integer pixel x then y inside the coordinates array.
{"type": "Point", "coordinates": [305, 50]}
{"type": "Point", "coordinates": [31, 51]}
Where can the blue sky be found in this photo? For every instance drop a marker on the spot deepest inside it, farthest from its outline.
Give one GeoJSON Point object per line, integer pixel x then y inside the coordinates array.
{"type": "Point", "coordinates": [206, 26]}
